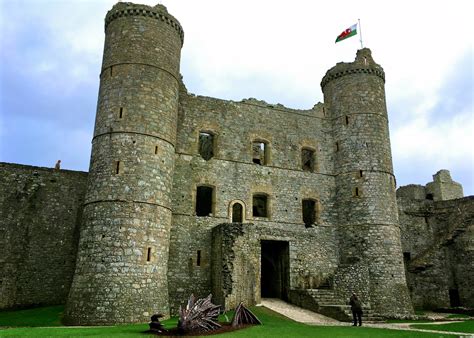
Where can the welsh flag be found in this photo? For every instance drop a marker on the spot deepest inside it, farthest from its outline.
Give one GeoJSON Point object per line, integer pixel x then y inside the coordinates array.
{"type": "Point", "coordinates": [351, 31]}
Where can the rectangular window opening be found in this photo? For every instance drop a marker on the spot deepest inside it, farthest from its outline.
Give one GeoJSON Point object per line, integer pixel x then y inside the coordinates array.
{"type": "Point", "coordinates": [148, 254]}
{"type": "Point", "coordinates": [259, 205]}
{"type": "Point", "coordinates": [117, 167]}
{"type": "Point", "coordinates": [111, 71]}
{"type": "Point", "coordinates": [307, 159]}
{"type": "Point", "coordinates": [204, 199]}
{"type": "Point", "coordinates": [206, 145]}
{"type": "Point", "coordinates": [309, 212]}
{"type": "Point", "coordinates": [156, 150]}
{"type": "Point", "coordinates": [347, 120]}
{"type": "Point", "coordinates": [406, 256]}
{"type": "Point", "coordinates": [121, 113]}
{"type": "Point", "coordinates": [356, 192]}
{"type": "Point", "coordinates": [198, 258]}
{"type": "Point", "coordinates": [361, 174]}
{"type": "Point", "coordinates": [337, 146]}
{"type": "Point", "coordinates": [259, 152]}
{"type": "Point", "coordinates": [454, 299]}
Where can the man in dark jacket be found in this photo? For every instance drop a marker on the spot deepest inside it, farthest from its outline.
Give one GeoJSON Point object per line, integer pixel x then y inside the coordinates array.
{"type": "Point", "coordinates": [356, 307]}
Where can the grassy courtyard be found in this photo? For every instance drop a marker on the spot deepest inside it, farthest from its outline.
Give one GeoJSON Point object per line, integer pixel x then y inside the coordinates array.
{"type": "Point", "coordinates": [45, 322]}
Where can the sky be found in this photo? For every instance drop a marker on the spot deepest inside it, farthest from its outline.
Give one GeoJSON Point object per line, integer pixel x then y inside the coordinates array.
{"type": "Point", "coordinates": [277, 51]}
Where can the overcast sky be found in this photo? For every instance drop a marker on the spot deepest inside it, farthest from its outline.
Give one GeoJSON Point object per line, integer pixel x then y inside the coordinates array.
{"type": "Point", "coordinates": [277, 51]}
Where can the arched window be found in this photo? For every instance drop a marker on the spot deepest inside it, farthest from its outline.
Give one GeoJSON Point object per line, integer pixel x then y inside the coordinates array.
{"type": "Point", "coordinates": [237, 213]}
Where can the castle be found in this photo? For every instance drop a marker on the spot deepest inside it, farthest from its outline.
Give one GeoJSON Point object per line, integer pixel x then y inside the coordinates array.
{"type": "Point", "coordinates": [190, 194]}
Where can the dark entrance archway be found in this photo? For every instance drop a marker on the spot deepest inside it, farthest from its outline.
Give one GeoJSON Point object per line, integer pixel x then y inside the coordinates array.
{"type": "Point", "coordinates": [275, 277]}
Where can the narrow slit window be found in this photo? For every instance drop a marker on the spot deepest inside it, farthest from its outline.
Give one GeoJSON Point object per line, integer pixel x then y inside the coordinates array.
{"type": "Point", "coordinates": [111, 70]}
{"type": "Point", "coordinates": [148, 254]}
{"type": "Point", "coordinates": [117, 167]}
{"type": "Point", "coordinates": [206, 145]}
{"type": "Point", "coordinates": [307, 159]}
{"type": "Point", "coordinates": [260, 205]}
{"type": "Point", "coordinates": [121, 113]}
{"type": "Point", "coordinates": [347, 120]}
{"type": "Point", "coordinates": [309, 212]}
{"type": "Point", "coordinates": [361, 173]}
{"type": "Point", "coordinates": [259, 152]}
{"type": "Point", "coordinates": [204, 201]}
{"type": "Point", "coordinates": [198, 258]}
{"type": "Point", "coordinates": [356, 192]}
{"type": "Point", "coordinates": [156, 150]}
{"type": "Point", "coordinates": [337, 146]}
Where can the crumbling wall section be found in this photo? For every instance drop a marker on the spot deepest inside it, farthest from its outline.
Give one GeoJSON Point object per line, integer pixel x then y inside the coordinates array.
{"type": "Point", "coordinates": [438, 244]}
{"type": "Point", "coordinates": [236, 260]}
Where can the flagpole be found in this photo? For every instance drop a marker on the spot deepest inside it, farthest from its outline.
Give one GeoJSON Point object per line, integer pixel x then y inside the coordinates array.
{"type": "Point", "coordinates": [360, 29]}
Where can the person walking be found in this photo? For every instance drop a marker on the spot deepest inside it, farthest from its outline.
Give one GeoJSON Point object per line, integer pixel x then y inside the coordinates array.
{"type": "Point", "coordinates": [356, 307]}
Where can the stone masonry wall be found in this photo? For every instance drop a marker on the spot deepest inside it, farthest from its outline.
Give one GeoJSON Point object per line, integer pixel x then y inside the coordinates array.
{"type": "Point", "coordinates": [437, 239]}
{"type": "Point", "coordinates": [369, 234]}
{"type": "Point", "coordinates": [121, 273]}
{"type": "Point", "coordinates": [40, 212]}
{"type": "Point", "coordinates": [236, 270]}
{"type": "Point", "coordinates": [235, 178]}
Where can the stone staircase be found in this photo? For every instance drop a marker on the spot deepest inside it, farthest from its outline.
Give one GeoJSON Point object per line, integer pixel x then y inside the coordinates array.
{"type": "Point", "coordinates": [326, 302]}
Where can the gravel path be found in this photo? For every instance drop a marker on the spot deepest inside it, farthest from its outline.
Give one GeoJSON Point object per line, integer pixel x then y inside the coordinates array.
{"type": "Point", "coordinates": [312, 318]}
{"type": "Point", "coordinates": [296, 313]}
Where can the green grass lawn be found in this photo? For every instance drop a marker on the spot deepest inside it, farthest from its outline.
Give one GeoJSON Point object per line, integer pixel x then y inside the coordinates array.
{"type": "Point", "coordinates": [466, 326]}
{"type": "Point", "coordinates": [274, 325]}
{"type": "Point", "coordinates": [41, 316]}
{"type": "Point", "coordinates": [458, 315]}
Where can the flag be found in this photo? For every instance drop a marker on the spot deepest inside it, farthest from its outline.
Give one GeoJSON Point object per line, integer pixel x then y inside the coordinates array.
{"type": "Point", "coordinates": [351, 31]}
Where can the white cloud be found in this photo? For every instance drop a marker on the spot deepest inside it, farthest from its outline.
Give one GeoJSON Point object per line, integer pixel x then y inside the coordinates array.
{"type": "Point", "coordinates": [277, 51]}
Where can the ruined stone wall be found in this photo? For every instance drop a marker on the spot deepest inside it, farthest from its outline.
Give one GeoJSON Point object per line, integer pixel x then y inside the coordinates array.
{"type": "Point", "coordinates": [438, 245]}
{"type": "Point", "coordinates": [40, 212]}
{"type": "Point", "coordinates": [235, 178]}
{"type": "Point", "coordinates": [236, 250]}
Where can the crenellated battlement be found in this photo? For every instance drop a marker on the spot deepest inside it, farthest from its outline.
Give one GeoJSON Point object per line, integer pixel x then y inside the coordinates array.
{"type": "Point", "coordinates": [363, 64]}
{"type": "Point", "coordinates": [332, 76]}
{"type": "Point", "coordinates": [159, 12]}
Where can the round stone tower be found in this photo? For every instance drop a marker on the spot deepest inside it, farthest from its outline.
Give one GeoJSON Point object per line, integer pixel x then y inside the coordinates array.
{"type": "Point", "coordinates": [121, 270]}
{"type": "Point", "coordinates": [369, 234]}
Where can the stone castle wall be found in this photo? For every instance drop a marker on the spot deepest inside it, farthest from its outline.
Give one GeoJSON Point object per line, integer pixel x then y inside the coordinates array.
{"type": "Point", "coordinates": [40, 213]}
{"type": "Point", "coordinates": [234, 177]}
{"type": "Point", "coordinates": [236, 250]}
{"type": "Point", "coordinates": [437, 240]}
{"type": "Point", "coordinates": [144, 249]}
